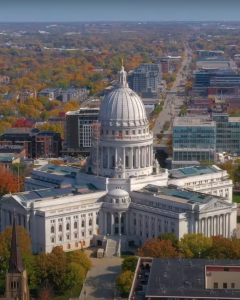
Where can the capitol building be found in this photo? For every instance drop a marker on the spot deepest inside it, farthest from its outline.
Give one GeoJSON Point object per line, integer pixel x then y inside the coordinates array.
{"type": "Point", "coordinates": [122, 198]}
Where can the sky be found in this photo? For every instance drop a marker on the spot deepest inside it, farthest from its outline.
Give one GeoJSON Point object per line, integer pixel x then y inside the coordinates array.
{"type": "Point", "coordinates": [118, 10]}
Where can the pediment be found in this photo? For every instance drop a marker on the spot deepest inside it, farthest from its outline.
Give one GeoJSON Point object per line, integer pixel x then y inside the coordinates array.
{"type": "Point", "coordinates": [217, 205]}
{"type": "Point", "coordinates": [11, 203]}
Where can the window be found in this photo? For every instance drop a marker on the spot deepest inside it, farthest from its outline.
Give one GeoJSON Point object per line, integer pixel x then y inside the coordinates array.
{"type": "Point", "coordinates": [68, 237]}
{"type": "Point", "coordinates": [226, 269]}
{"type": "Point", "coordinates": [90, 222]}
{"type": "Point", "coordinates": [75, 225]}
{"type": "Point", "coordinates": [133, 132]}
{"type": "Point", "coordinates": [76, 245]}
{"type": "Point", "coordinates": [90, 232]}
{"type": "Point", "coordinates": [97, 221]}
{"type": "Point", "coordinates": [60, 238]}
{"type": "Point", "coordinates": [82, 233]}
{"type": "Point", "coordinates": [225, 285]}
{"type": "Point", "coordinates": [83, 224]}
{"type": "Point", "coordinates": [52, 229]}
{"type": "Point", "coordinates": [60, 228]}
{"type": "Point", "coordinates": [68, 226]}
{"type": "Point", "coordinates": [232, 285]}
{"type": "Point", "coordinates": [52, 240]}
{"type": "Point", "coordinates": [75, 235]}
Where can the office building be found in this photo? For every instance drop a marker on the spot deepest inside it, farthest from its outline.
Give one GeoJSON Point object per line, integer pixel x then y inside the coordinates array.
{"type": "Point", "coordinates": [79, 130]}
{"type": "Point", "coordinates": [48, 144]}
{"type": "Point", "coordinates": [145, 77]}
{"type": "Point", "coordinates": [122, 197]}
{"type": "Point", "coordinates": [181, 278]}
{"type": "Point", "coordinates": [206, 53]}
{"type": "Point", "coordinates": [199, 139]}
{"type": "Point", "coordinates": [220, 82]}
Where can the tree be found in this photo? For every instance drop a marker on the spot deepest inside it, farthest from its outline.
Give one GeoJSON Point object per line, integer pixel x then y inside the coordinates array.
{"type": "Point", "coordinates": [81, 258]}
{"type": "Point", "coordinates": [5, 245]}
{"type": "Point", "coordinates": [75, 275]}
{"type": "Point", "coordinates": [8, 183]}
{"type": "Point", "coordinates": [195, 245]}
{"type": "Point", "coordinates": [169, 145]}
{"type": "Point", "coordinates": [169, 237]}
{"type": "Point", "coordinates": [230, 168]}
{"type": "Point", "coordinates": [159, 248]}
{"type": "Point", "coordinates": [129, 263]}
{"type": "Point", "coordinates": [223, 248]}
{"type": "Point", "coordinates": [124, 282]}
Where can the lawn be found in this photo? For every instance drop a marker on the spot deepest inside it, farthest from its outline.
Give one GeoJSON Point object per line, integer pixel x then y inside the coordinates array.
{"type": "Point", "coordinates": [127, 254]}
{"type": "Point", "coordinates": [72, 293]}
{"type": "Point", "coordinates": [236, 197]}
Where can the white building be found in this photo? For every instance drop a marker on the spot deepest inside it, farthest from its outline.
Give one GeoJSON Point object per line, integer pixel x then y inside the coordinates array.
{"type": "Point", "coordinates": [124, 198]}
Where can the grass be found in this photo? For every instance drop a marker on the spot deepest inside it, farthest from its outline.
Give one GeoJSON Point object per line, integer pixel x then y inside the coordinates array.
{"type": "Point", "coordinates": [72, 293]}
{"type": "Point", "coordinates": [127, 254]}
{"type": "Point", "coordinates": [236, 197]}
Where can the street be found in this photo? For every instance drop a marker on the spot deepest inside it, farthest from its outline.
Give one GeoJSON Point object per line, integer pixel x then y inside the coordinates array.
{"type": "Point", "coordinates": [173, 102]}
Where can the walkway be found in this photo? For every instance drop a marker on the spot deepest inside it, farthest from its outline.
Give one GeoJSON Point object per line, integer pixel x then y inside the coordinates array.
{"type": "Point", "coordinates": [112, 246]}
{"type": "Point", "coordinates": [100, 280]}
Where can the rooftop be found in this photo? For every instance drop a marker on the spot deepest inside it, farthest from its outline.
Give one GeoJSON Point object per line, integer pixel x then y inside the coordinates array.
{"type": "Point", "coordinates": [186, 278]}
{"type": "Point", "coordinates": [84, 110]}
{"type": "Point", "coordinates": [188, 121]}
{"type": "Point", "coordinates": [59, 170]}
{"type": "Point", "coordinates": [178, 195]}
{"type": "Point", "coordinates": [193, 171]}
{"type": "Point", "coordinates": [53, 193]}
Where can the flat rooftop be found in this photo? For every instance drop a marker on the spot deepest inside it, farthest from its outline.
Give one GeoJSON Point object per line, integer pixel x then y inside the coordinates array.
{"type": "Point", "coordinates": [53, 193]}
{"type": "Point", "coordinates": [178, 195]}
{"type": "Point", "coordinates": [59, 170]}
{"type": "Point", "coordinates": [193, 171]}
{"type": "Point", "coordinates": [84, 110]}
{"type": "Point", "coordinates": [188, 121]}
{"type": "Point", "coordinates": [185, 278]}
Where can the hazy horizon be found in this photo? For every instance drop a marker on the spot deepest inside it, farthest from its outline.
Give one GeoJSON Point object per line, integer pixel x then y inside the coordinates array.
{"type": "Point", "coordinates": [116, 11]}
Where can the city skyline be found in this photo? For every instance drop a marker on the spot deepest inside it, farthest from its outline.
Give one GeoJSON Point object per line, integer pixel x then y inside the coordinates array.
{"type": "Point", "coordinates": [105, 10]}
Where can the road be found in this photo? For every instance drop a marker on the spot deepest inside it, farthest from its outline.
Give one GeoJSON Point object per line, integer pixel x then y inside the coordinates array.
{"type": "Point", "coordinates": [173, 102]}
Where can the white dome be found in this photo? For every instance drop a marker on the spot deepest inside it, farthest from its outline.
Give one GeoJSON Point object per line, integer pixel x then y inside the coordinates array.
{"type": "Point", "coordinates": [122, 106]}
{"type": "Point", "coordinates": [118, 193]}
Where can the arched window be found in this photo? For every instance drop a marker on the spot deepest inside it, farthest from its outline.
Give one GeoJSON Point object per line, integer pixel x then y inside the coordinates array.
{"type": "Point", "coordinates": [97, 221]}
{"type": "Point", "coordinates": [60, 227]}
{"type": "Point", "coordinates": [68, 226]}
{"type": "Point", "coordinates": [75, 225]}
{"type": "Point", "coordinates": [52, 229]}
{"type": "Point", "coordinates": [90, 222]}
{"type": "Point", "coordinates": [83, 224]}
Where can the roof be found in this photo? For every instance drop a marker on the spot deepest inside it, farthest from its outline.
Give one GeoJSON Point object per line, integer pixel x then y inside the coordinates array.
{"type": "Point", "coordinates": [118, 193]}
{"type": "Point", "coordinates": [193, 171]}
{"type": "Point", "coordinates": [15, 262]}
{"type": "Point", "coordinates": [185, 278]}
{"type": "Point", "coordinates": [59, 170]}
{"type": "Point", "coordinates": [53, 193]}
{"type": "Point", "coordinates": [178, 195]}
{"type": "Point", "coordinates": [188, 121]}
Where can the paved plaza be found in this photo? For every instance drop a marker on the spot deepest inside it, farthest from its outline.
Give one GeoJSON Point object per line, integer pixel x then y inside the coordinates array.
{"type": "Point", "coordinates": [100, 280]}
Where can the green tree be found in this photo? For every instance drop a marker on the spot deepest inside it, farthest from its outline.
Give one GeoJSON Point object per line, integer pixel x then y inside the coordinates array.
{"type": "Point", "coordinates": [195, 245]}
{"type": "Point", "coordinates": [81, 258]}
{"type": "Point", "coordinates": [223, 248]}
{"type": "Point", "coordinates": [169, 237]}
{"type": "Point", "coordinates": [75, 275]}
{"type": "Point", "coordinates": [124, 282]}
{"type": "Point", "coordinates": [129, 263]}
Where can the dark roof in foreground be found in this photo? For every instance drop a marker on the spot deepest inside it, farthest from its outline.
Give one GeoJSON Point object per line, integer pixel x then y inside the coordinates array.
{"type": "Point", "coordinates": [185, 278]}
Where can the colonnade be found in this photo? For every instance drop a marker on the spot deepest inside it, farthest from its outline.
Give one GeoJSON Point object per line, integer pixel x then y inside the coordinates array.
{"type": "Point", "coordinates": [138, 157]}
{"type": "Point", "coordinates": [214, 225]}
{"type": "Point", "coordinates": [109, 227]}
{"type": "Point", "coordinates": [7, 219]}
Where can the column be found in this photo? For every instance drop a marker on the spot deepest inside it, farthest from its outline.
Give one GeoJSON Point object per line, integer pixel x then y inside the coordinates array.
{"type": "Point", "coordinates": [225, 226]}
{"type": "Point", "coordinates": [108, 157]}
{"type": "Point", "coordinates": [144, 157]}
{"type": "Point", "coordinates": [229, 225]}
{"type": "Point", "coordinates": [196, 226]}
{"type": "Point", "coordinates": [205, 226]}
{"type": "Point", "coordinates": [217, 225]}
{"type": "Point", "coordinates": [119, 223]}
{"type": "Point", "coordinates": [124, 157]}
{"type": "Point", "coordinates": [139, 158]}
{"type": "Point", "coordinates": [28, 223]}
{"type": "Point", "coordinates": [131, 158]}
{"type": "Point", "coordinates": [112, 223]}
{"type": "Point", "coordinates": [212, 226]}
{"type": "Point", "coordinates": [126, 226]}
{"type": "Point", "coordinates": [105, 222]}
{"type": "Point", "coordinates": [220, 225]}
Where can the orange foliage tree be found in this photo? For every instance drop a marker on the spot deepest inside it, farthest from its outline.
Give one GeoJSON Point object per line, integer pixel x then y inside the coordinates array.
{"type": "Point", "coordinates": [159, 248]}
{"type": "Point", "coordinates": [8, 182]}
